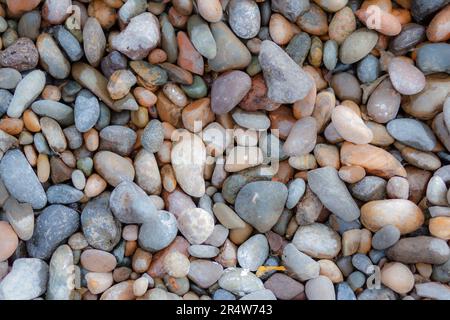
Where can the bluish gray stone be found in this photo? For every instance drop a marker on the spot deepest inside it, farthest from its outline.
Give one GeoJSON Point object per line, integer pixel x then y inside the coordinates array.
{"type": "Point", "coordinates": [356, 280]}
{"type": "Point", "coordinates": [53, 226]}
{"type": "Point", "coordinates": [370, 188]}
{"type": "Point", "coordinates": [298, 47]}
{"type": "Point", "coordinates": [385, 237]}
{"type": "Point", "coordinates": [26, 281]}
{"type": "Point", "coordinates": [21, 180]}
{"type": "Point", "coordinates": [344, 292]}
{"type": "Point", "coordinates": [244, 18]}
{"type": "Point", "coordinates": [158, 232]}
{"type": "Point", "coordinates": [61, 112]}
{"type": "Point", "coordinates": [330, 54]}
{"type": "Point", "coordinates": [378, 294]}
{"type": "Point", "coordinates": [296, 190]}
{"type": "Point", "coordinates": [68, 43]}
{"type": "Point", "coordinates": [368, 69]}
{"type": "Point", "coordinates": [221, 294]}
{"type": "Point", "coordinates": [291, 9]}
{"type": "Point", "coordinates": [261, 203]}
{"type": "Point", "coordinates": [87, 110]}
{"type": "Point", "coordinates": [362, 263]}
{"type": "Point", "coordinates": [5, 100]}
{"type": "Point", "coordinates": [63, 194]}
{"type": "Point", "coordinates": [433, 58]}
{"type": "Point", "coordinates": [333, 193]}
{"type": "Point", "coordinates": [153, 136]}
{"type": "Point", "coordinates": [253, 252]}
{"type": "Point", "coordinates": [101, 229]}
{"type": "Point", "coordinates": [413, 133]}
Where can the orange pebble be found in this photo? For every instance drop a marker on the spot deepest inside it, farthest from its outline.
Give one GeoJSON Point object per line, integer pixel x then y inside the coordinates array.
{"type": "Point", "coordinates": [157, 56]}
{"type": "Point", "coordinates": [11, 126]}
{"type": "Point", "coordinates": [31, 121]}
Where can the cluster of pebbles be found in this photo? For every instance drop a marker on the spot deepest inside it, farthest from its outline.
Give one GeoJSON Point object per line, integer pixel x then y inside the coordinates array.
{"type": "Point", "coordinates": [225, 149]}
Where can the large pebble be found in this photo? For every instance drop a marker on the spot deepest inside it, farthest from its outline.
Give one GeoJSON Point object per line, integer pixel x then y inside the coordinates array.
{"type": "Point", "coordinates": [413, 133]}
{"type": "Point", "coordinates": [244, 18]}
{"type": "Point", "coordinates": [196, 225]}
{"type": "Point", "coordinates": [405, 77]}
{"type": "Point", "coordinates": [53, 226]}
{"type": "Point", "coordinates": [61, 278]}
{"type": "Point", "coordinates": [240, 281]}
{"type": "Point", "coordinates": [253, 252]}
{"type": "Point", "coordinates": [28, 89]}
{"type": "Point", "coordinates": [157, 233]}
{"type": "Point", "coordinates": [357, 45]}
{"type": "Point", "coordinates": [20, 179]}
{"type": "Point", "coordinates": [421, 249]}
{"type": "Point", "coordinates": [188, 161]}
{"type": "Point", "coordinates": [286, 81]}
{"type": "Point", "coordinates": [331, 190]}
{"type": "Point", "coordinates": [317, 241]}
{"type": "Point", "coordinates": [26, 281]}
{"type": "Point", "coordinates": [302, 137]}
{"type": "Point", "coordinates": [299, 264]}
{"type": "Point", "coordinates": [51, 57]}
{"type": "Point", "coordinates": [228, 90]}
{"type": "Point", "coordinates": [320, 288]}
{"type": "Point", "coordinates": [113, 168]}
{"type": "Point", "coordinates": [21, 218]}
{"type": "Point", "coordinates": [22, 55]}
{"type": "Point", "coordinates": [261, 203]}
{"type": "Point", "coordinates": [350, 126]}
{"type": "Point", "coordinates": [8, 241]}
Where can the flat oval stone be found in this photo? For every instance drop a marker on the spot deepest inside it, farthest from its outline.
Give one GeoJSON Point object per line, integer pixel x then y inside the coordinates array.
{"type": "Point", "coordinates": [251, 119]}
{"type": "Point", "coordinates": [413, 133]}
{"type": "Point", "coordinates": [261, 203]}
{"type": "Point", "coordinates": [302, 137]}
{"type": "Point", "coordinates": [244, 18]}
{"type": "Point", "coordinates": [188, 161]}
{"type": "Point", "coordinates": [357, 45]}
{"type": "Point", "coordinates": [68, 43]}
{"type": "Point", "coordinates": [384, 102]}
{"type": "Point", "coordinates": [158, 233]}
{"type": "Point", "coordinates": [63, 194]}
{"type": "Point", "coordinates": [231, 52]}
{"type": "Point", "coordinates": [386, 237]}
{"type": "Point", "coordinates": [86, 111]}
{"type": "Point", "coordinates": [286, 81]}
{"type": "Point", "coordinates": [342, 25]}
{"type": "Point", "coordinates": [422, 9]}
{"type": "Point", "coordinates": [253, 252]}
{"type": "Point", "coordinates": [320, 288]}
{"type": "Point", "coordinates": [60, 112]}
{"type": "Point", "coordinates": [228, 90]}
{"type": "Point", "coordinates": [201, 37]}
{"type": "Point", "coordinates": [203, 251]}
{"type": "Point", "coordinates": [204, 273]}
{"type": "Point", "coordinates": [97, 260]}
{"type": "Point", "coordinates": [51, 57]}
{"type": "Point", "coordinates": [20, 179]}
{"type": "Point", "coordinates": [147, 172]}
{"type": "Point", "coordinates": [433, 58]}
{"type": "Point", "coordinates": [28, 89]}
{"type": "Point", "coordinates": [94, 41]}
{"type": "Point", "coordinates": [92, 79]}
{"type": "Point", "coordinates": [61, 273]}
{"type": "Point", "coordinates": [368, 69]}
{"type": "Point", "coordinates": [196, 225]}
{"type": "Point", "coordinates": [301, 265]}
{"type": "Point", "coordinates": [298, 48]}
{"type": "Point", "coordinates": [113, 168]}
{"type": "Point", "coordinates": [408, 38]}
{"type": "Point", "coordinates": [374, 160]}
{"type": "Point", "coordinates": [369, 188]}
{"type": "Point", "coordinates": [9, 78]}
{"type": "Point", "coordinates": [421, 249]}
{"type": "Point", "coordinates": [405, 77]}
{"type": "Point", "coordinates": [53, 226]}
{"type": "Point", "coordinates": [317, 241]}
{"type": "Point", "coordinates": [350, 126]}
{"type": "Point", "coordinates": [438, 29]}
{"type": "Point", "coordinates": [403, 214]}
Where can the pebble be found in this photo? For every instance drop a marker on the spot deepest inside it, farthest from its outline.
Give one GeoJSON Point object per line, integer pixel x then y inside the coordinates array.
{"type": "Point", "coordinates": [23, 185]}
{"type": "Point", "coordinates": [406, 78]}
{"type": "Point", "coordinates": [203, 251]}
{"type": "Point", "coordinates": [61, 276]}
{"type": "Point", "coordinates": [357, 45]}
{"type": "Point", "coordinates": [51, 57]}
{"type": "Point", "coordinates": [369, 188]}
{"type": "Point", "coordinates": [140, 36]}
{"type": "Point", "coordinates": [53, 226]}
{"type": "Point", "coordinates": [397, 277]}
{"type": "Point", "coordinates": [344, 292]}
{"type": "Point", "coordinates": [320, 288]}
{"type": "Point", "coordinates": [100, 228]}
{"type": "Point", "coordinates": [68, 43]}
{"type": "Point", "coordinates": [240, 282]}
{"type": "Point", "coordinates": [274, 62]}
{"type": "Point", "coordinates": [302, 266]}
{"type": "Point", "coordinates": [350, 126]}
{"type": "Point", "coordinates": [255, 206]}
{"type": "Point", "coordinates": [21, 218]}
{"type": "Point", "coordinates": [253, 253]}
{"type": "Point", "coordinates": [153, 136]}
{"type": "Point", "coordinates": [9, 78]}
{"type": "Point", "coordinates": [439, 227]}
{"type": "Point", "coordinates": [113, 168]}
{"type": "Point", "coordinates": [28, 89]}
{"type": "Point", "coordinates": [26, 281]}
{"type": "Point", "coordinates": [227, 217]}
{"type": "Point", "coordinates": [22, 55]}
{"type": "Point", "coordinates": [403, 214]}
{"type": "Point", "coordinates": [384, 102]}
{"type": "Point", "coordinates": [9, 241]}
{"type": "Point", "coordinates": [63, 194]}
{"type": "Point", "coordinates": [98, 261]}
{"type": "Point", "coordinates": [368, 69]}
{"type": "Point", "coordinates": [236, 83]}
{"type": "Point", "coordinates": [413, 133]}
{"type": "Point", "coordinates": [283, 287]}
{"type": "Point", "coordinates": [324, 182]}
{"type": "Point", "coordinates": [231, 52]}
{"type": "Point", "coordinates": [158, 233]}
{"type": "Point", "coordinates": [196, 225]}
{"type": "Point", "coordinates": [296, 190]}
{"type": "Point", "coordinates": [244, 18]}
{"type": "Point", "coordinates": [290, 9]}
{"type": "Point", "coordinates": [201, 37]}
{"type": "Point", "coordinates": [302, 137]}
{"type": "Point", "coordinates": [433, 290]}
{"type": "Point", "coordinates": [433, 58]}
{"type": "Point", "coordinates": [386, 237]}
{"type": "Point", "coordinates": [420, 249]}
{"type": "Point", "coordinates": [298, 48]}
